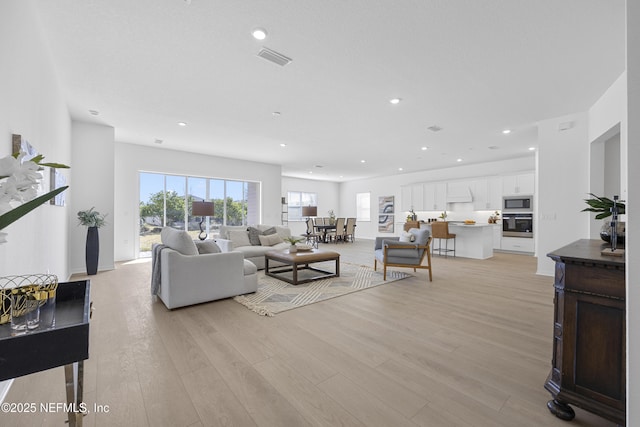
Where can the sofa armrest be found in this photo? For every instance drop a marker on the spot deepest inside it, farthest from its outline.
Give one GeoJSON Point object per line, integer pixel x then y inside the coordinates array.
{"type": "Point", "coordinates": [225, 245]}
{"type": "Point", "coordinates": [192, 279]}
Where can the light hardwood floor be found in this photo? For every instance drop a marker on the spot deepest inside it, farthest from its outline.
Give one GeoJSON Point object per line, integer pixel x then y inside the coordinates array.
{"type": "Point", "coordinates": [471, 348]}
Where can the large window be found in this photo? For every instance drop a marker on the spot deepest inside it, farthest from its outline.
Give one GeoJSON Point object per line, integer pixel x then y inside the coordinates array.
{"type": "Point", "coordinates": [297, 200]}
{"type": "Point", "coordinates": [363, 206]}
{"type": "Point", "coordinates": [165, 200]}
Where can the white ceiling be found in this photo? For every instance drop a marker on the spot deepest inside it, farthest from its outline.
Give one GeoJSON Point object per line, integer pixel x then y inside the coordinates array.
{"type": "Point", "coordinates": [472, 67]}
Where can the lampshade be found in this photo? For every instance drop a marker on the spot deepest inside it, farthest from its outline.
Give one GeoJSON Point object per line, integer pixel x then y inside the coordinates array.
{"type": "Point", "coordinates": [309, 211]}
{"type": "Point", "coordinates": [202, 208]}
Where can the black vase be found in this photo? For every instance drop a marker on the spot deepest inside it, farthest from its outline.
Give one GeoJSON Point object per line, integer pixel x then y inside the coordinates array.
{"type": "Point", "coordinates": [92, 250]}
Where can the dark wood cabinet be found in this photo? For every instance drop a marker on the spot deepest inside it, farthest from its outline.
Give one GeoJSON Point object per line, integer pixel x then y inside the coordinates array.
{"type": "Point", "coordinates": [589, 351]}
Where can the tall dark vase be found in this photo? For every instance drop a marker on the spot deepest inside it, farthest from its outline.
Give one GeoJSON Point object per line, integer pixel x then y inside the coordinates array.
{"type": "Point", "coordinates": [92, 250]}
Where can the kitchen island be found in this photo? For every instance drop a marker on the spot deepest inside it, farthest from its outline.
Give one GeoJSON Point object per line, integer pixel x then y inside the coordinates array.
{"type": "Point", "coordinates": [472, 240]}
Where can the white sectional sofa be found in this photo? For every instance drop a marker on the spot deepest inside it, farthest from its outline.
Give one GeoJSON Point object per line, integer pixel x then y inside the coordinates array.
{"type": "Point", "coordinates": [243, 239]}
{"type": "Point", "coordinates": [196, 272]}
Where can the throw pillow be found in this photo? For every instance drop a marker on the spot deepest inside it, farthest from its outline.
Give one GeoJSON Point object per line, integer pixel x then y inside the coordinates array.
{"type": "Point", "coordinates": [270, 240]}
{"type": "Point", "coordinates": [207, 247]}
{"type": "Point", "coordinates": [269, 231]}
{"type": "Point", "coordinates": [178, 240]}
{"type": "Point", "coordinates": [239, 238]}
{"type": "Point", "coordinates": [253, 236]}
{"type": "Point", "coordinates": [407, 237]}
{"type": "Point", "coordinates": [255, 232]}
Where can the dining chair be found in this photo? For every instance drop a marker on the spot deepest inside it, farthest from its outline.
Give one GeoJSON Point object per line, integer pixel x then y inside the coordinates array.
{"type": "Point", "coordinates": [311, 235]}
{"type": "Point", "coordinates": [440, 230]}
{"type": "Point", "coordinates": [339, 232]}
{"type": "Point", "coordinates": [350, 230]}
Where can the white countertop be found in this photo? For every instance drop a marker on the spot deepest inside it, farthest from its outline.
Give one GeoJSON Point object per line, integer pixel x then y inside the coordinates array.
{"type": "Point", "coordinates": [472, 240]}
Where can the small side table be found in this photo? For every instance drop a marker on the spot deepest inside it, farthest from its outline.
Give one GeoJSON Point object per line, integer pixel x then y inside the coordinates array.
{"type": "Point", "coordinates": [66, 344]}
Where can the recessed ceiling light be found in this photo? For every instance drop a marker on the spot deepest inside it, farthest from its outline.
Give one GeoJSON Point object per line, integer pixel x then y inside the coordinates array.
{"type": "Point", "coordinates": [395, 101]}
{"type": "Point", "coordinates": [424, 148]}
{"type": "Point", "coordinates": [459, 160]}
{"type": "Point", "coordinates": [259, 34]}
{"type": "Point", "coordinates": [532, 148]}
{"type": "Point", "coordinates": [94, 112]}
{"type": "Point", "coordinates": [183, 124]}
{"type": "Point", "coordinates": [400, 169]}
{"type": "Point", "coordinates": [158, 141]}
{"type": "Point", "coordinates": [363, 161]}
{"type": "Point", "coordinates": [283, 145]}
{"type": "Point", "coordinates": [506, 131]}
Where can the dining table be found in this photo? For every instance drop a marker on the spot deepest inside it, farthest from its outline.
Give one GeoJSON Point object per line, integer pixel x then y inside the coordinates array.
{"type": "Point", "coordinates": [324, 229]}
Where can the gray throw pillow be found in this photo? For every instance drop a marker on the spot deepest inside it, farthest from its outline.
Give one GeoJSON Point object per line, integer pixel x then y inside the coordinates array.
{"type": "Point", "coordinates": [239, 238]}
{"type": "Point", "coordinates": [178, 240]}
{"type": "Point", "coordinates": [208, 247]}
{"type": "Point", "coordinates": [254, 234]}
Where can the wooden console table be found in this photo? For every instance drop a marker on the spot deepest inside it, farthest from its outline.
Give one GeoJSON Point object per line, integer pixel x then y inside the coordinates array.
{"type": "Point", "coordinates": [66, 344]}
{"type": "Point", "coordinates": [589, 351]}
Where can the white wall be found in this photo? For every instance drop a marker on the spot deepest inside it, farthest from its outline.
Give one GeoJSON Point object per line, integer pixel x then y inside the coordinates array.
{"type": "Point", "coordinates": [563, 184]}
{"type": "Point", "coordinates": [631, 177]}
{"type": "Point", "coordinates": [390, 186]}
{"type": "Point", "coordinates": [328, 198]}
{"type": "Point", "coordinates": [131, 159]}
{"type": "Point", "coordinates": [93, 186]}
{"type": "Point", "coordinates": [31, 105]}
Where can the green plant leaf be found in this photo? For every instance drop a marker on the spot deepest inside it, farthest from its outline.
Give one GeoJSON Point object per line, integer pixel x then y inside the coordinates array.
{"type": "Point", "coordinates": [54, 165]}
{"type": "Point", "coordinates": [17, 213]}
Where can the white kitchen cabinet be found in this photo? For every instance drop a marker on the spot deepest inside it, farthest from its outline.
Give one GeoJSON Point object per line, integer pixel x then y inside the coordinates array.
{"type": "Point", "coordinates": [434, 196]}
{"type": "Point", "coordinates": [417, 197]}
{"type": "Point", "coordinates": [406, 202]}
{"type": "Point", "coordinates": [521, 184]}
{"type": "Point", "coordinates": [487, 193]}
{"type": "Point", "coordinates": [517, 244]}
{"type": "Point", "coordinates": [412, 197]}
{"type": "Point", "coordinates": [497, 236]}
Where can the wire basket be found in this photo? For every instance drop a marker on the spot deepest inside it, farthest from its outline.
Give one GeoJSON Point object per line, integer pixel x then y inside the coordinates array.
{"type": "Point", "coordinates": [20, 295]}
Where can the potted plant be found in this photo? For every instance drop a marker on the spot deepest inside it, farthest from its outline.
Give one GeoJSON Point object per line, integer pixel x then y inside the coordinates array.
{"type": "Point", "coordinates": [292, 241]}
{"type": "Point", "coordinates": [603, 207]}
{"type": "Point", "coordinates": [332, 217]}
{"type": "Point", "coordinates": [93, 220]}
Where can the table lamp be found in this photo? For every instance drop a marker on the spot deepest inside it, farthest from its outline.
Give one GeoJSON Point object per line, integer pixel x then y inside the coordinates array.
{"type": "Point", "coordinates": [202, 209]}
{"type": "Point", "coordinates": [309, 211]}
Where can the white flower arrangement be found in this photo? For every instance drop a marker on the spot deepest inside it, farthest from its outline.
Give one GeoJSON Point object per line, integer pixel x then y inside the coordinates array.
{"type": "Point", "coordinates": [19, 181]}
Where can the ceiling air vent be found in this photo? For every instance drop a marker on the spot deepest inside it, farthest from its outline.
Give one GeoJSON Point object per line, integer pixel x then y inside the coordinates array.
{"type": "Point", "coordinates": [434, 128]}
{"type": "Point", "coordinates": [273, 56]}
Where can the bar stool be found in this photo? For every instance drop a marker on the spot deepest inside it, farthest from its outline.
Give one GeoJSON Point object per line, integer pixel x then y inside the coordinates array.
{"type": "Point", "coordinates": [440, 230]}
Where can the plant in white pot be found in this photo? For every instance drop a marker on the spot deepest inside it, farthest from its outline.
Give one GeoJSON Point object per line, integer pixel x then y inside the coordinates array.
{"type": "Point", "coordinates": [292, 241]}
{"type": "Point", "coordinates": [93, 220]}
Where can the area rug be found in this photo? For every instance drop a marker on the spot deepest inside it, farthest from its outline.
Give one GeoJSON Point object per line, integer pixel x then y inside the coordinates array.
{"type": "Point", "coordinates": [275, 296]}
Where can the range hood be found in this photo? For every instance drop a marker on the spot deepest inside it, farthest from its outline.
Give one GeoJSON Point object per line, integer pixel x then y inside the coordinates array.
{"type": "Point", "coordinates": [458, 193]}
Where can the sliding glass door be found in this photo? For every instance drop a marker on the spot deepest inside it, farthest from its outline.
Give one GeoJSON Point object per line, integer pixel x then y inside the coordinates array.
{"type": "Point", "coordinates": [165, 200]}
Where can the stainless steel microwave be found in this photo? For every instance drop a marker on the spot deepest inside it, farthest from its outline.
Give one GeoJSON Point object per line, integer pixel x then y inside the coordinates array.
{"type": "Point", "coordinates": [517, 204]}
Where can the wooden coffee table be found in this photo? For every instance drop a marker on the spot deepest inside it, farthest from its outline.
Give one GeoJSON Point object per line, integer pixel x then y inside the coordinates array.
{"type": "Point", "coordinates": [300, 261]}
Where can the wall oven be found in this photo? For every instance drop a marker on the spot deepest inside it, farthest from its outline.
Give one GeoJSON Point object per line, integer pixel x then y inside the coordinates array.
{"type": "Point", "coordinates": [517, 224]}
